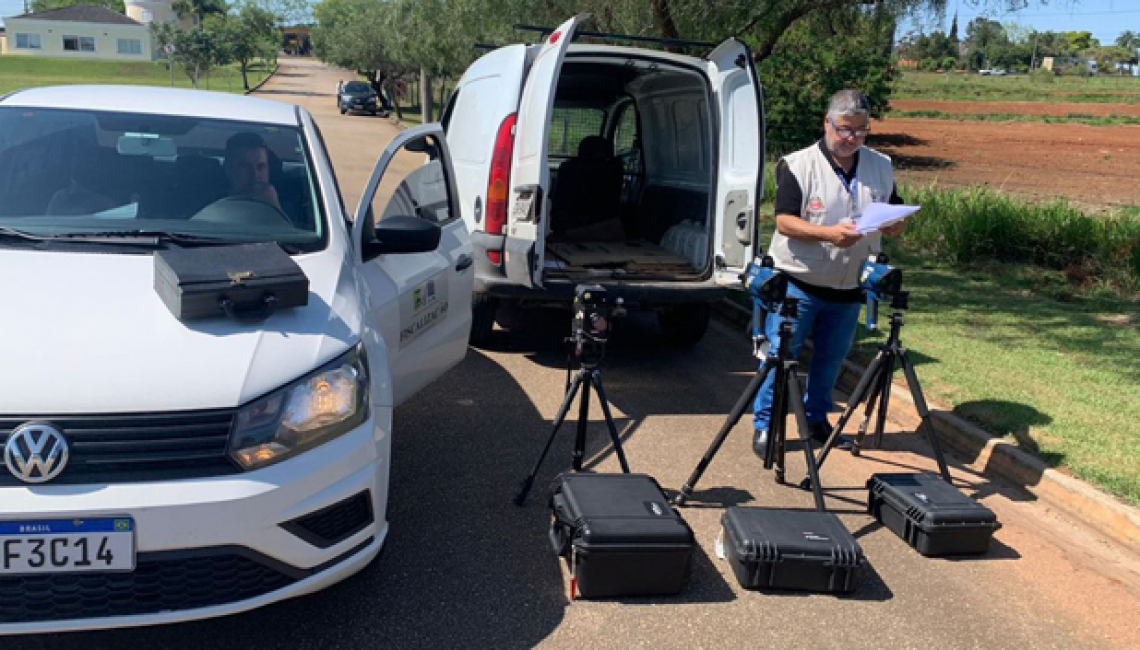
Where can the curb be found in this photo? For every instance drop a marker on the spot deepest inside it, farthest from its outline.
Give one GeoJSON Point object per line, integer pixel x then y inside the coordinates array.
{"type": "Point", "coordinates": [993, 456]}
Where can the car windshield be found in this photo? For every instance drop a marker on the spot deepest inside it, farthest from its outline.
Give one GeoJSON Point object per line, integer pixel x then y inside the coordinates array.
{"type": "Point", "coordinates": [71, 172]}
{"type": "Point", "coordinates": [356, 87]}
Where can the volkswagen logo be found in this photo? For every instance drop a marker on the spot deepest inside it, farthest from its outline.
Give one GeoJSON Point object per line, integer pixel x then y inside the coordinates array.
{"type": "Point", "coordinates": [36, 452]}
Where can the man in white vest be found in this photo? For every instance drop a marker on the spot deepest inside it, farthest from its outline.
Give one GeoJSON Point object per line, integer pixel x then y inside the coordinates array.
{"type": "Point", "coordinates": [820, 193]}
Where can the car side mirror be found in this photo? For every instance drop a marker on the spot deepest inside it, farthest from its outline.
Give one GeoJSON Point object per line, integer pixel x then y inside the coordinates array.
{"type": "Point", "coordinates": [402, 235]}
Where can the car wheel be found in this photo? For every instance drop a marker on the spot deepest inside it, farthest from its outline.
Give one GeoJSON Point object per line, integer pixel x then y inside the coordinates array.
{"type": "Point", "coordinates": [343, 111]}
{"type": "Point", "coordinates": [483, 310]}
{"type": "Point", "coordinates": [373, 113]}
{"type": "Point", "coordinates": [684, 325]}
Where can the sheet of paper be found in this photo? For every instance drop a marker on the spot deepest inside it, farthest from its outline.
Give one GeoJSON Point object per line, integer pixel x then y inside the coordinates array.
{"type": "Point", "coordinates": [877, 215]}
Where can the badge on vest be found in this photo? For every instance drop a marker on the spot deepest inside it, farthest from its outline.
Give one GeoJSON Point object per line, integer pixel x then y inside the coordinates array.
{"type": "Point", "coordinates": [815, 208]}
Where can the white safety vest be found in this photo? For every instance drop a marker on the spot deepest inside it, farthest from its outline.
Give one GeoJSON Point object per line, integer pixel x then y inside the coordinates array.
{"type": "Point", "coordinates": [827, 201]}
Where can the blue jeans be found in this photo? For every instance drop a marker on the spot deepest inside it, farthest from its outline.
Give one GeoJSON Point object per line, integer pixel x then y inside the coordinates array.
{"type": "Point", "coordinates": [832, 329]}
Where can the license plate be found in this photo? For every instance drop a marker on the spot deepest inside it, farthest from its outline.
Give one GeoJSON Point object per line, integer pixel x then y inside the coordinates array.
{"type": "Point", "coordinates": [67, 546]}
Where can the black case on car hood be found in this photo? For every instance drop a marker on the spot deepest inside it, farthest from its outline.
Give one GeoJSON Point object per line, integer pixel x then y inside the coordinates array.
{"type": "Point", "coordinates": [620, 535]}
{"type": "Point", "coordinates": [244, 281]}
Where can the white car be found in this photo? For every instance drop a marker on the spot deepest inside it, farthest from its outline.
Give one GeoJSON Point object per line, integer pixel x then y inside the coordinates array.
{"type": "Point", "coordinates": [637, 169]}
{"type": "Point", "coordinates": [156, 470]}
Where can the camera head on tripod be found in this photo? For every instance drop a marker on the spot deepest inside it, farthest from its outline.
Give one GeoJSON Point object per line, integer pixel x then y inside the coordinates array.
{"type": "Point", "coordinates": [768, 288]}
{"type": "Point", "coordinates": [594, 311]}
{"type": "Point", "coordinates": [879, 280]}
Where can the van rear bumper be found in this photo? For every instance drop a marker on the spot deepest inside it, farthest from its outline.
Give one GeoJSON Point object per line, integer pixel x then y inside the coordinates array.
{"type": "Point", "coordinates": [635, 293]}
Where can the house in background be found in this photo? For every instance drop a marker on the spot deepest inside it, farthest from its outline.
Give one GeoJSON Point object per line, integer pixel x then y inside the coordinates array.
{"type": "Point", "coordinates": [79, 32]}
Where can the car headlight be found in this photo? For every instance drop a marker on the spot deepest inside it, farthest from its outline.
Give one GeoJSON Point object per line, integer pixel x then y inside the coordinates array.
{"type": "Point", "coordinates": [308, 412]}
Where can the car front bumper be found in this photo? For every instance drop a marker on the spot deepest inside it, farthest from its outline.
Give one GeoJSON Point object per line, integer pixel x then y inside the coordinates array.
{"type": "Point", "coordinates": [210, 547]}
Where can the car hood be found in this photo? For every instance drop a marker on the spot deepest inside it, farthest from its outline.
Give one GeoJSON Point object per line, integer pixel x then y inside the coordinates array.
{"type": "Point", "coordinates": [86, 333]}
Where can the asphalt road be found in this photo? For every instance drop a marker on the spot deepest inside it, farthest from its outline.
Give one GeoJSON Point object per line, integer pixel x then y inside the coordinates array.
{"type": "Point", "coordinates": [463, 567]}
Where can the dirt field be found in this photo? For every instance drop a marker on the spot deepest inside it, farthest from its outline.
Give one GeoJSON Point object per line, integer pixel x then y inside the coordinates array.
{"type": "Point", "coordinates": [1096, 167]}
{"type": "Point", "coordinates": [1019, 108]}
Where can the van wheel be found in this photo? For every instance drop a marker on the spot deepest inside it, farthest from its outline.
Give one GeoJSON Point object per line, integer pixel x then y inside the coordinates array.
{"type": "Point", "coordinates": [684, 325]}
{"type": "Point", "coordinates": [483, 310]}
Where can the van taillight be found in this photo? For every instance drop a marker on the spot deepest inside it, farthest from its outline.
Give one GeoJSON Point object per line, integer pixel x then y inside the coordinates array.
{"type": "Point", "coordinates": [499, 183]}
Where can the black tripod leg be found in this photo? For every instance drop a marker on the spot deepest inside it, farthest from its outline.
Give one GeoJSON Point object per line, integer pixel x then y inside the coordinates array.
{"type": "Point", "coordinates": [869, 409]}
{"type": "Point", "coordinates": [583, 422]}
{"type": "Point", "coordinates": [520, 498]}
{"type": "Point", "coordinates": [853, 402]}
{"type": "Point", "coordinates": [778, 424]}
{"type": "Point", "coordinates": [796, 396]}
{"type": "Point", "coordinates": [746, 398]}
{"type": "Point", "coordinates": [884, 399]}
{"type": "Point", "coordinates": [924, 413]}
{"type": "Point", "coordinates": [596, 379]}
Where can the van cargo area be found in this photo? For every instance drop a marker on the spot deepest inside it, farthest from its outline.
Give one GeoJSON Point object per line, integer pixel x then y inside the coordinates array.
{"type": "Point", "coordinates": [630, 157]}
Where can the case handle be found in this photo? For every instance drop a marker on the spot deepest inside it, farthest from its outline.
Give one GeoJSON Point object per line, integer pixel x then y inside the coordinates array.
{"type": "Point", "coordinates": [249, 315]}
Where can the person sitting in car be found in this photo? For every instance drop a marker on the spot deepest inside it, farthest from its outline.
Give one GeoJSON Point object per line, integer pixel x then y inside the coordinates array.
{"type": "Point", "coordinates": [247, 168]}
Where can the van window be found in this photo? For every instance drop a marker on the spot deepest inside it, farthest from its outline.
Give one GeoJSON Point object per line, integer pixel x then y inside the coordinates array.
{"type": "Point", "coordinates": [569, 125]}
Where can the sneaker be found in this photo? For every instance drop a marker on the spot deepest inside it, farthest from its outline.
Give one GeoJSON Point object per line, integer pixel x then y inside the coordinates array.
{"type": "Point", "coordinates": [820, 431]}
{"type": "Point", "coordinates": [760, 443]}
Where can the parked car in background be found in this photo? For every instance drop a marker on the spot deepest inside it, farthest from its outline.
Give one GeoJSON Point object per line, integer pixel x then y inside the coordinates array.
{"type": "Point", "coordinates": [359, 97]}
{"type": "Point", "coordinates": [159, 470]}
{"type": "Point", "coordinates": [636, 169]}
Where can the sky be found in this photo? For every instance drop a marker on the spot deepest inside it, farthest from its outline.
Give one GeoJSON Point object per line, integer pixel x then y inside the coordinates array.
{"type": "Point", "coordinates": [1104, 18]}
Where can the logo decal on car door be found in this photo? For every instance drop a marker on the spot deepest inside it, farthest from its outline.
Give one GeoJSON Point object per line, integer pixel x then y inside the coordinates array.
{"type": "Point", "coordinates": [424, 307]}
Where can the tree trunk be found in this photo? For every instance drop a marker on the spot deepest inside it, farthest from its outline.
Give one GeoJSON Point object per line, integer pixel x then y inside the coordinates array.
{"type": "Point", "coordinates": [425, 96]}
{"type": "Point", "coordinates": [244, 78]}
{"type": "Point", "coordinates": [664, 19]}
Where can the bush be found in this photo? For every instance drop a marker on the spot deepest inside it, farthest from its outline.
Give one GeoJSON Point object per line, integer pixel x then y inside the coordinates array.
{"type": "Point", "coordinates": [1043, 76]}
{"type": "Point", "coordinates": [930, 65]}
{"type": "Point", "coordinates": [949, 63]}
{"type": "Point", "coordinates": [970, 225]}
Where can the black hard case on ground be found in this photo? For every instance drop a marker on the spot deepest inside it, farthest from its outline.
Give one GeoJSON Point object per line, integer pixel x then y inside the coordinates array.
{"type": "Point", "coordinates": [255, 279]}
{"type": "Point", "coordinates": [619, 535]}
{"type": "Point", "coordinates": [930, 514]}
{"type": "Point", "coordinates": [791, 549]}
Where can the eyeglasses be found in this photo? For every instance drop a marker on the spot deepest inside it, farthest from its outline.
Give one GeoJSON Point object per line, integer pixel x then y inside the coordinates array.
{"type": "Point", "coordinates": [847, 133]}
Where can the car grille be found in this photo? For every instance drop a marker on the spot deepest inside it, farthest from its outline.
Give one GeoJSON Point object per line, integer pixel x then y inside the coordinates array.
{"type": "Point", "coordinates": [171, 581]}
{"type": "Point", "coordinates": [135, 448]}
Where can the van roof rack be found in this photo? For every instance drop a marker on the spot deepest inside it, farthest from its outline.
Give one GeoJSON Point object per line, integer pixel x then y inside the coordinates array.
{"type": "Point", "coordinates": [666, 42]}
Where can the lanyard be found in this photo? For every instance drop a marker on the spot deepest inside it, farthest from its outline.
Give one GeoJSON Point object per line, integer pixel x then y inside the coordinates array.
{"type": "Point", "coordinates": [852, 188]}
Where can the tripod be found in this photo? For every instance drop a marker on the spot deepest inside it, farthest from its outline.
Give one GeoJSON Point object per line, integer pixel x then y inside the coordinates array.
{"type": "Point", "coordinates": [875, 385]}
{"type": "Point", "coordinates": [787, 393]}
{"type": "Point", "coordinates": [587, 377]}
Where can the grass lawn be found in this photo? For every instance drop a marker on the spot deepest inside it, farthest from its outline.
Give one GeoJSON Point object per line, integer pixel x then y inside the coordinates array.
{"type": "Point", "coordinates": [18, 72]}
{"type": "Point", "coordinates": [1057, 376]}
{"type": "Point", "coordinates": [974, 87]}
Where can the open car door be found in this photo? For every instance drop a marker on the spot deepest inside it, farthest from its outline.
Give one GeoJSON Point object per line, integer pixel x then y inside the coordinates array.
{"type": "Point", "coordinates": [528, 210]}
{"type": "Point", "coordinates": [740, 164]}
{"type": "Point", "coordinates": [418, 295]}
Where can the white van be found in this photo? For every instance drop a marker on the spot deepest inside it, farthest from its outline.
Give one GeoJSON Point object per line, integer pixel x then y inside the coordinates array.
{"type": "Point", "coordinates": [636, 169]}
{"type": "Point", "coordinates": [156, 469]}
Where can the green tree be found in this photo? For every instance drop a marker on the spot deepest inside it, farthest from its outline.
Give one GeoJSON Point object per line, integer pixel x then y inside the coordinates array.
{"type": "Point", "coordinates": [47, 5]}
{"type": "Point", "coordinates": [1130, 42]}
{"type": "Point", "coordinates": [247, 34]}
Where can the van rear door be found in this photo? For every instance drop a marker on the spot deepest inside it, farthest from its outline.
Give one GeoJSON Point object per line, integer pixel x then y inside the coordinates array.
{"type": "Point", "coordinates": [740, 167]}
{"type": "Point", "coordinates": [528, 208]}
